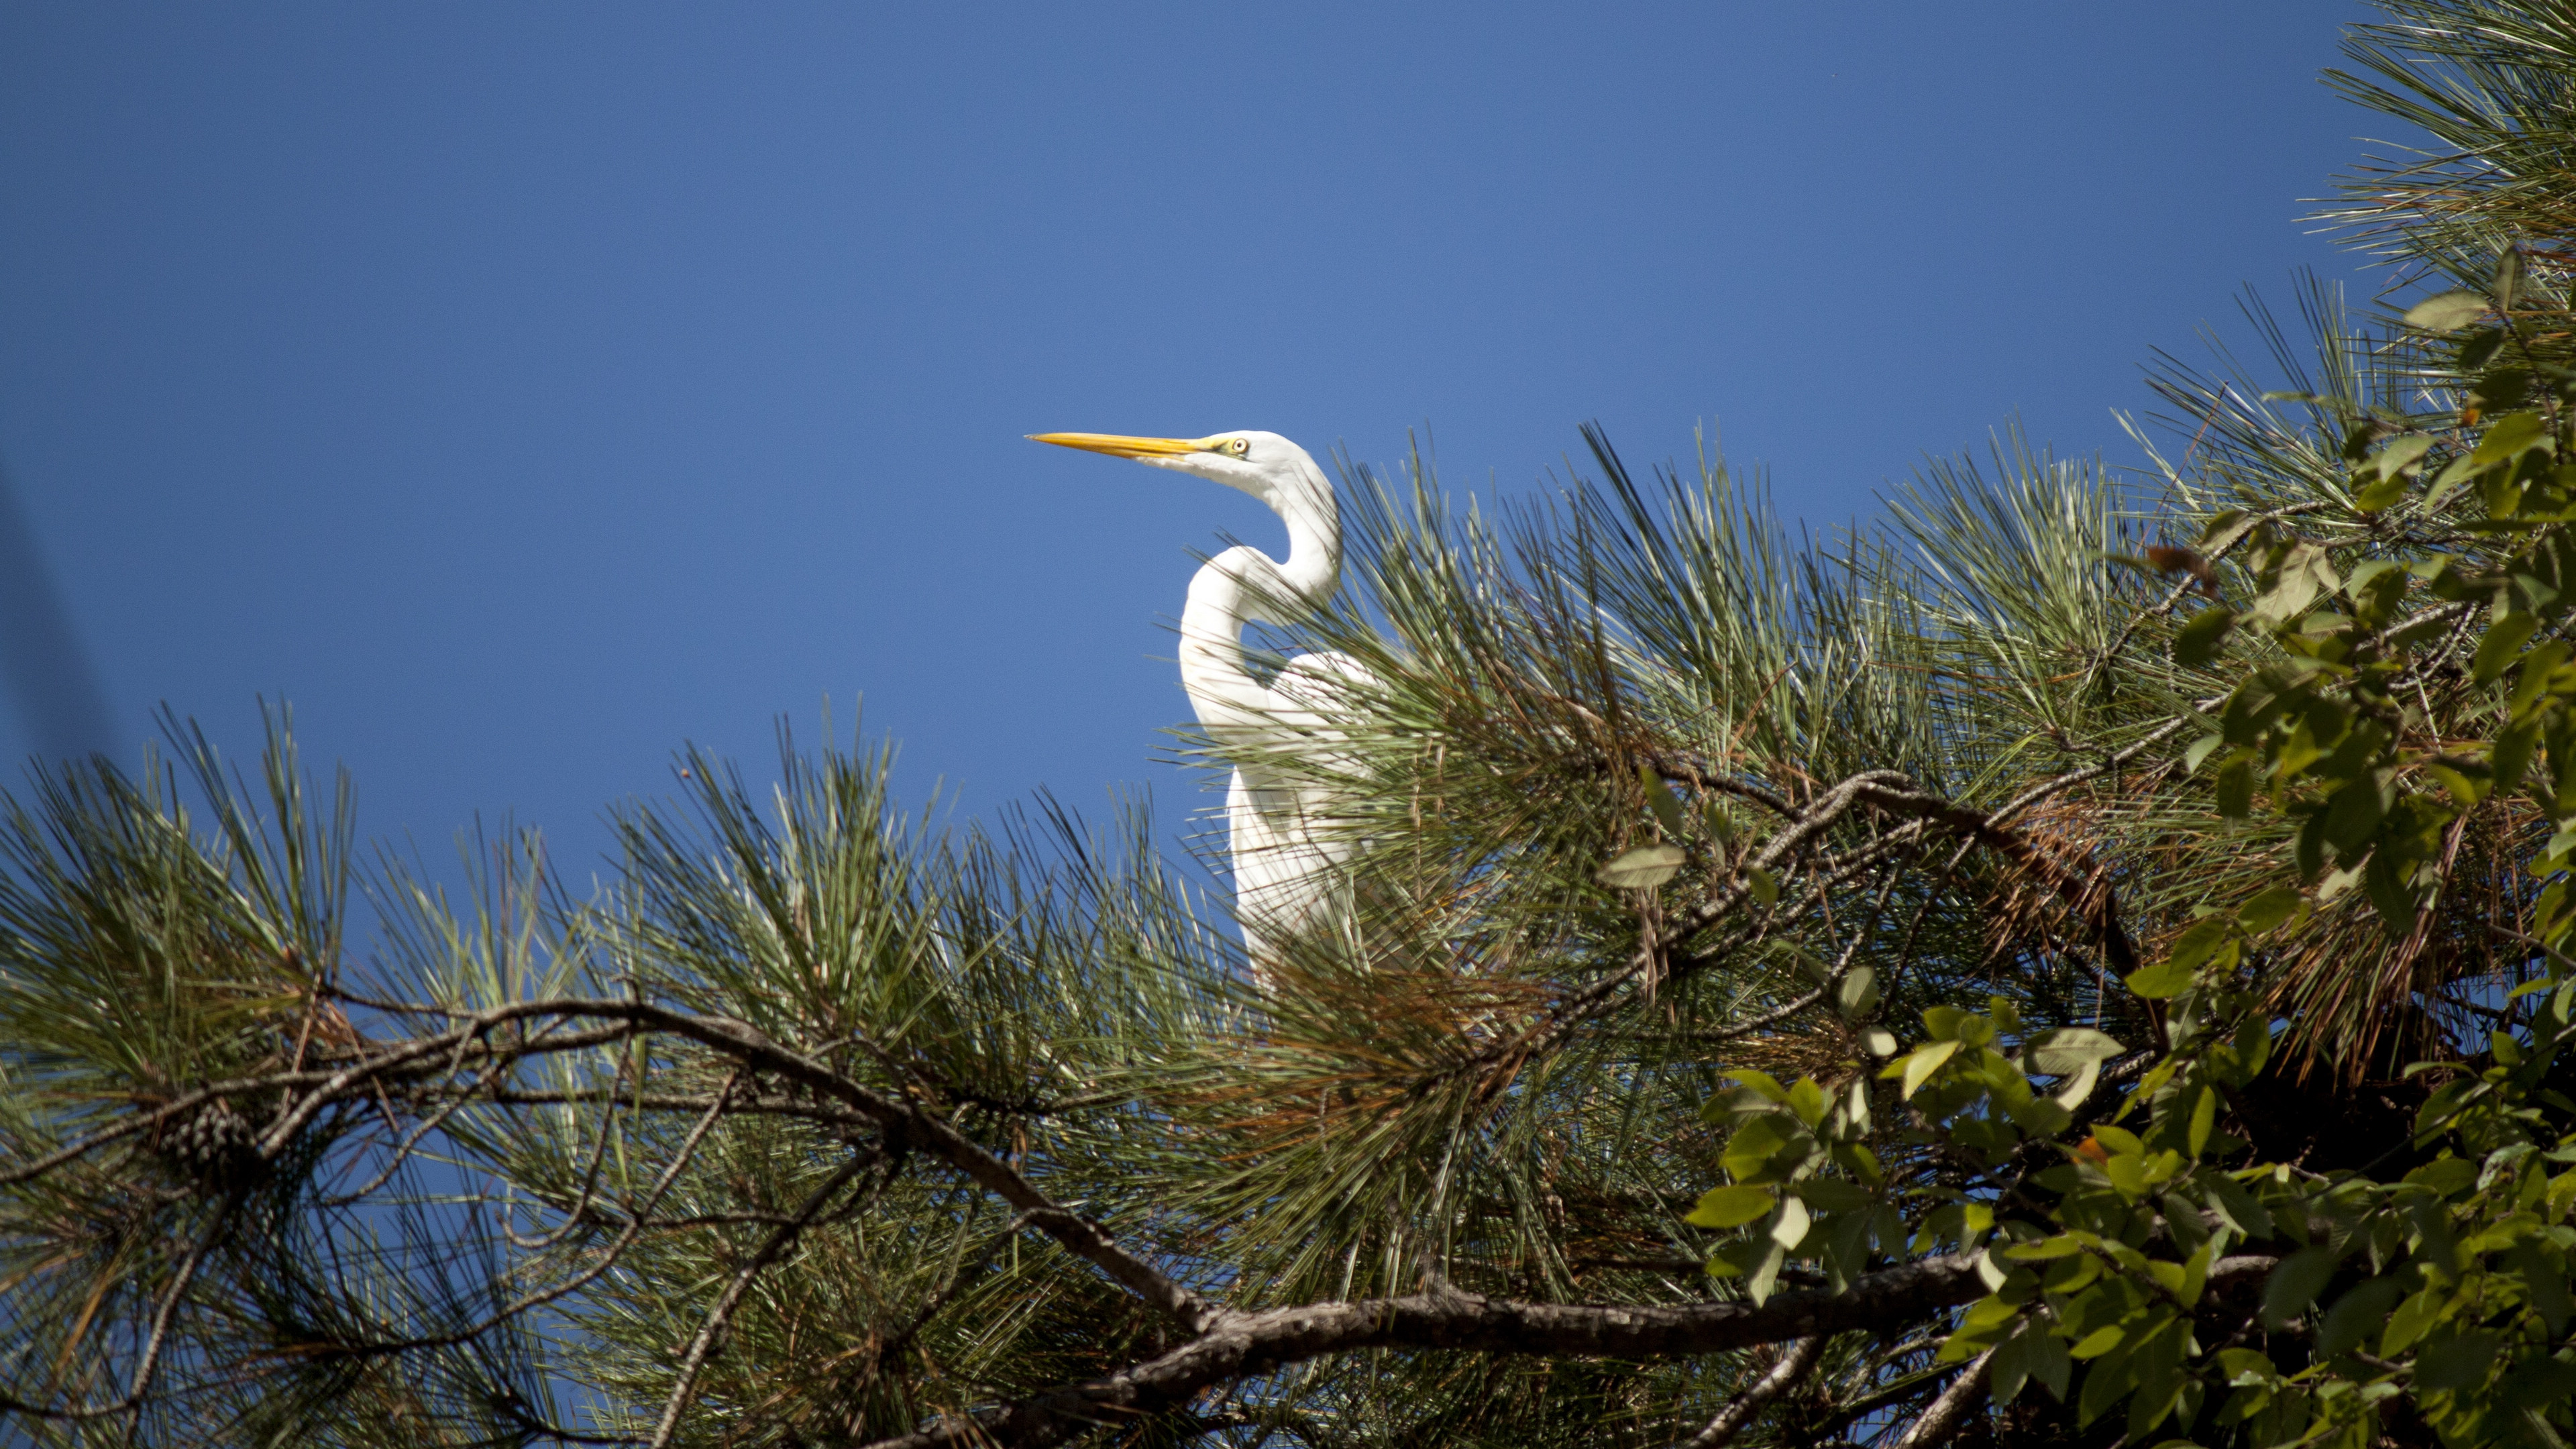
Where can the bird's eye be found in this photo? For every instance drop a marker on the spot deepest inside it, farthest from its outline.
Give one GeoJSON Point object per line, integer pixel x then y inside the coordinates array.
{"type": "Point", "coordinates": [1238, 446]}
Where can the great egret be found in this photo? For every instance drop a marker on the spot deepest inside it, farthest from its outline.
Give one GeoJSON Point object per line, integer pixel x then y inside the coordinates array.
{"type": "Point", "coordinates": [1281, 826]}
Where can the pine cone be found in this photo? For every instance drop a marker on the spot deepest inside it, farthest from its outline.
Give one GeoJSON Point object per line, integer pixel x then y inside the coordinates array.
{"type": "Point", "coordinates": [213, 1144]}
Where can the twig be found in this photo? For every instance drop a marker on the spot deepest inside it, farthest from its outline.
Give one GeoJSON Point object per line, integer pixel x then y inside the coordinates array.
{"type": "Point", "coordinates": [768, 1253]}
{"type": "Point", "coordinates": [1793, 1364]}
{"type": "Point", "coordinates": [150, 1363]}
{"type": "Point", "coordinates": [608, 1256]}
{"type": "Point", "coordinates": [1949, 1413]}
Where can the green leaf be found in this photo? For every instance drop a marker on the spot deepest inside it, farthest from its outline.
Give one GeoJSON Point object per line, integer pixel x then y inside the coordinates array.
{"type": "Point", "coordinates": [2156, 983]}
{"type": "Point", "coordinates": [2543, 1285]}
{"type": "Point", "coordinates": [2269, 909]}
{"type": "Point", "coordinates": [2448, 312]}
{"type": "Point", "coordinates": [1988, 1314]}
{"type": "Point", "coordinates": [2358, 1312]}
{"type": "Point", "coordinates": [2099, 1342]}
{"type": "Point", "coordinates": [2105, 1382]}
{"type": "Point", "coordinates": [2503, 639]}
{"type": "Point", "coordinates": [2204, 1116]}
{"type": "Point", "coordinates": [2466, 780]}
{"type": "Point", "coordinates": [2070, 1049]}
{"type": "Point", "coordinates": [1791, 1228]}
{"type": "Point", "coordinates": [1760, 1082]}
{"type": "Point", "coordinates": [2239, 1207]}
{"type": "Point", "coordinates": [2128, 1173]}
{"type": "Point", "coordinates": [1765, 889]}
{"type": "Point", "coordinates": [2198, 642]}
{"type": "Point", "coordinates": [2063, 1245]}
{"type": "Point", "coordinates": [1924, 1062]}
{"type": "Point", "coordinates": [2236, 789]}
{"type": "Point", "coordinates": [1659, 798]}
{"type": "Point", "coordinates": [2070, 1275]}
{"type": "Point", "coordinates": [2353, 814]}
{"type": "Point", "coordinates": [2512, 754]}
{"type": "Point", "coordinates": [1642, 869]}
{"type": "Point", "coordinates": [1858, 992]}
{"type": "Point", "coordinates": [2200, 750]}
{"type": "Point", "coordinates": [1730, 1259]}
{"type": "Point", "coordinates": [2539, 1382]}
{"type": "Point", "coordinates": [1748, 1154]}
{"type": "Point", "coordinates": [2200, 940]}
{"type": "Point", "coordinates": [2506, 387]}
{"type": "Point", "coordinates": [1808, 1101]}
{"type": "Point", "coordinates": [2184, 1219]}
{"type": "Point", "coordinates": [1730, 1207]}
{"type": "Point", "coordinates": [2510, 437]}
{"type": "Point", "coordinates": [2293, 589]}
{"type": "Point", "coordinates": [2295, 1283]}
{"type": "Point", "coordinates": [2120, 1139]}
{"type": "Point", "coordinates": [2072, 1091]}
{"type": "Point", "coordinates": [2195, 1273]}
{"type": "Point", "coordinates": [2449, 1176]}
{"type": "Point", "coordinates": [1831, 1194]}
{"type": "Point", "coordinates": [2048, 1362]}
{"type": "Point", "coordinates": [2010, 1368]}
{"type": "Point", "coordinates": [1720, 824]}
{"type": "Point", "coordinates": [2411, 1319]}
{"type": "Point", "coordinates": [2244, 1366]}
{"type": "Point", "coordinates": [2462, 469]}
{"type": "Point", "coordinates": [1880, 1041]}
{"type": "Point", "coordinates": [2539, 669]}
{"type": "Point", "coordinates": [2374, 496]}
{"type": "Point", "coordinates": [2455, 1360]}
{"type": "Point", "coordinates": [2403, 455]}
{"type": "Point", "coordinates": [1765, 1274]}
{"type": "Point", "coordinates": [2039, 1116]}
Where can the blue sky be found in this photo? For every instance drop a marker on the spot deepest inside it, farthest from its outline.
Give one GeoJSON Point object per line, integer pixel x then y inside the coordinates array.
{"type": "Point", "coordinates": [523, 390]}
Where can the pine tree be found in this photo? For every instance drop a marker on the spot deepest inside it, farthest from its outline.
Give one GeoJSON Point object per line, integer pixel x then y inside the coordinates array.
{"type": "Point", "coordinates": [2082, 961]}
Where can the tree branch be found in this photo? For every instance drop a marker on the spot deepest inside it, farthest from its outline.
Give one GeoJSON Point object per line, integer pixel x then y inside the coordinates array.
{"type": "Point", "coordinates": [1794, 1364]}
{"type": "Point", "coordinates": [1949, 1413]}
{"type": "Point", "coordinates": [775, 1244]}
{"type": "Point", "coordinates": [1243, 1345]}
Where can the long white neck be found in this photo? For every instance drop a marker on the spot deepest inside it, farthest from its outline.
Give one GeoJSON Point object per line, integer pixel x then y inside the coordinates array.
{"type": "Point", "coordinates": [1242, 585]}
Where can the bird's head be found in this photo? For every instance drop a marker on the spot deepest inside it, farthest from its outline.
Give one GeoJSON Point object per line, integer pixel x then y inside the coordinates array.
{"type": "Point", "coordinates": [1265, 465]}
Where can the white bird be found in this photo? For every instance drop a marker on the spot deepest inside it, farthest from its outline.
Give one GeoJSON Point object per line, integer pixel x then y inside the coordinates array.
{"type": "Point", "coordinates": [1283, 829]}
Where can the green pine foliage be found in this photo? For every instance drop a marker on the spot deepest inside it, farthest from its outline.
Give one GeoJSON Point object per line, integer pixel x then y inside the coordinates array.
{"type": "Point", "coordinates": [2085, 960]}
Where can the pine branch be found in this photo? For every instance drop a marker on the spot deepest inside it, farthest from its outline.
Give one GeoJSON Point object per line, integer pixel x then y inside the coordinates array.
{"type": "Point", "coordinates": [1243, 1345]}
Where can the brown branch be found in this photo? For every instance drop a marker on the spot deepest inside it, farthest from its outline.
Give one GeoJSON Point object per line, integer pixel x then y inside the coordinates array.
{"type": "Point", "coordinates": [1794, 1364]}
{"type": "Point", "coordinates": [1241, 1345]}
{"type": "Point", "coordinates": [2088, 895]}
{"type": "Point", "coordinates": [903, 1122]}
{"type": "Point", "coordinates": [915, 1127]}
{"type": "Point", "coordinates": [819, 1112]}
{"type": "Point", "coordinates": [1949, 1413]}
{"type": "Point", "coordinates": [158, 1339]}
{"type": "Point", "coordinates": [776, 1243]}
{"type": "Point", "coordinates": [2106, 764]}
{"type": "Point", "coordinates": [608, 1256]}
{"type": "Point", "coordinates": [1827, 808]}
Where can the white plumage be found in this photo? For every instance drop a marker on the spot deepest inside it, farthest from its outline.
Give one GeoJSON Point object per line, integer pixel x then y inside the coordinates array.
{"type": "Point", "coordinates": [1284, 830]}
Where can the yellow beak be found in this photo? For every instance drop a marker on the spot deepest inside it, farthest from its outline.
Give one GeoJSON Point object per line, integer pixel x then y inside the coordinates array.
{"type": "Point", "coordinates": [1121, 447]}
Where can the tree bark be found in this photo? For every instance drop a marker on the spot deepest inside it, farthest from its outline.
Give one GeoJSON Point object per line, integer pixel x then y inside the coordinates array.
{"type": "Point", "coordinates": [1241, 1345]}
{"type": "Point", "coordinates": [1795, 1361]}
{"type": "Point", "coordinates": [1950, 1411]}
